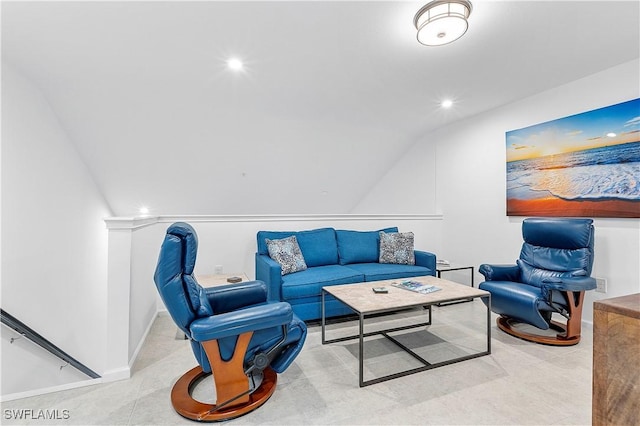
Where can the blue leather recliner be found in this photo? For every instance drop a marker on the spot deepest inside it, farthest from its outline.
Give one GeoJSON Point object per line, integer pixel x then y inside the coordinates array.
{"type": "Point", "coordinates": [234, 333]}
{"type": "Point", "coordinates": [551, 276]}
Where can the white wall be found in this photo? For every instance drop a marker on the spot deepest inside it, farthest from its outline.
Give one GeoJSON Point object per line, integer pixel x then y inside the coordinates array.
{"type": "Point", "coordinates": [54, 239]}
{"type": "Point", "coordinates": [143, 304]}
{"type": "Point", "coordinates": [471, 181]}
{"type": "Point", "coordinates": [408, 187]}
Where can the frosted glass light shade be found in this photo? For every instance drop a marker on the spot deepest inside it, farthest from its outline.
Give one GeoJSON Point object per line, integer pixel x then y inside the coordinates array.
{"type": "Point", "coordinates": [442, 21]}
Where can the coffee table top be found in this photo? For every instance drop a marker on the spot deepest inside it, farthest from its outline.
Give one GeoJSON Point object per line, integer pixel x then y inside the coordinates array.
{"type": "Point", "coordinates": [361, 298]}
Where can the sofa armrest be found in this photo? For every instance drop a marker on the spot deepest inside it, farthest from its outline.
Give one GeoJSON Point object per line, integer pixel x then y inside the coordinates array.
{"type": "Point", "coordinates": [229, 297]}
{"type": "Point", "coordinates": [426, 259]}
{"type": "Point", "coordinates": [500, 272]}
{"type": "Point", "coordinates": [270, 272]}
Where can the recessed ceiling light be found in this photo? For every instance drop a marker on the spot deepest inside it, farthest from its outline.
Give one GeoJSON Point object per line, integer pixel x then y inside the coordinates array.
{"type": "Point", "coordinates": [234, 64]}
{"type": "Point", "coordinates": [144, 211]}
{"type": "Point", "coordinates": [447, 103]}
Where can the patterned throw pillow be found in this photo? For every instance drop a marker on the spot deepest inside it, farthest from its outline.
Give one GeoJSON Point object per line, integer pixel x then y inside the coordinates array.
{"type": "Point", "coordinates": [397, 247]}
{"type": "Point", "coordinates": [287, 253]}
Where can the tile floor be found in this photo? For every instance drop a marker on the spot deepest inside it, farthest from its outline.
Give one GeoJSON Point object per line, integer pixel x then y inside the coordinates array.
{"type": "Point", "coordinates": [520, 383]}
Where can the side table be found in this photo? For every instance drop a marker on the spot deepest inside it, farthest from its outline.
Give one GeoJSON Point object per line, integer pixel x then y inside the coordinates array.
{"type": "Point", "coordinates": [453, 267]}
{"type": "Point", "coordinates": [211, 280]}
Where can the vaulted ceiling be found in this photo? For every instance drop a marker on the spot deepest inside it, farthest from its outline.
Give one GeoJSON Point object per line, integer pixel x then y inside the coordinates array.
{"type": "Point", "coordinates": [331, 95]}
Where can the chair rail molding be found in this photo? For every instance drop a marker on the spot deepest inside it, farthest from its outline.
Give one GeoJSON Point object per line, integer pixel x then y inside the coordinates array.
{"type": "Point", "coordinates": [114, 223]}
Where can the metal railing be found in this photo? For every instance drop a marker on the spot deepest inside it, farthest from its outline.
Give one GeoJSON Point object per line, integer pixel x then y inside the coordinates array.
{"type": "Point", "coordinates": [26, 331]}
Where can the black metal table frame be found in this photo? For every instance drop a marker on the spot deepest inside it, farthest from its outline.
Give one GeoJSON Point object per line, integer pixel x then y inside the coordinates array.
{"type": "Point", "coordinates": [450, 269]}
{"type": "Point", "coordinates": [426, 364]}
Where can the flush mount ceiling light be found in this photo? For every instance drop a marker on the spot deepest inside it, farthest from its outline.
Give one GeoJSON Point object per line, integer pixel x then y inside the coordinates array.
{"type": "Point", "coordinates": [442, 21]}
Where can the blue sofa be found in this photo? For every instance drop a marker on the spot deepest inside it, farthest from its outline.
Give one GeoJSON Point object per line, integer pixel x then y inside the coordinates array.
{"type": "Point", "coordinates": [332, 257]}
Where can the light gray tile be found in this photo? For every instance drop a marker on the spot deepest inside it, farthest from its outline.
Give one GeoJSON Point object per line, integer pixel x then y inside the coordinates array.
{"type": "Point", "coordinates": [520, 383]}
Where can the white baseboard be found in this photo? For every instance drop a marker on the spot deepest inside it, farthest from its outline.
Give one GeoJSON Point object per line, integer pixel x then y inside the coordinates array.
{"type": "Point", "coordinates": [116, 374]}
{"type": "Point", "coordinates": [43, 391]}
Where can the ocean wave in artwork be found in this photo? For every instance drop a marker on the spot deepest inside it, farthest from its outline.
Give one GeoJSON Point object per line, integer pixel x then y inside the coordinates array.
{"type": "Point", "coordinates": [596, 174]}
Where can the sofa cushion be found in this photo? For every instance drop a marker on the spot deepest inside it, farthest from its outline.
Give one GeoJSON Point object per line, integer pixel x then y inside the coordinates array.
{"type": "Point", "coordinates": [388, 271]}
{"type": "Point", "coordinates": [287, 253]}
{"type": "Point", "coordinates": [396, 247]}
{"type": "Point", "coordinates": [318, 246]}
{"type": "Point", "coordinates": [359, 246]}
{"type": "Point", "coordinates": [310, 282]}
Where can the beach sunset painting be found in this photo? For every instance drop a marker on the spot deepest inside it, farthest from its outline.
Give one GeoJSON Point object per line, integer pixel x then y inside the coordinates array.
{"type": "Point", "coordinates": [585, 165]}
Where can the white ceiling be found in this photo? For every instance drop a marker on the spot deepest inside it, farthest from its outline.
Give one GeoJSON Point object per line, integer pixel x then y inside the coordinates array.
{"type": "Point", "coordinates": [333, 92]}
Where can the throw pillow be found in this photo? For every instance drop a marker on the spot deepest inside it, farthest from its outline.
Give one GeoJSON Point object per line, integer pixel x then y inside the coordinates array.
{"type": "Point", "coordinates": [397, 247]}
{"type": "Point", "coordinates": [287, 253]}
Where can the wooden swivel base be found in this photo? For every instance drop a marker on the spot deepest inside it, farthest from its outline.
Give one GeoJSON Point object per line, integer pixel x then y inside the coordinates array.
{"type": "Point", "coordinates": [508, 325]}
{"type": "Point", "coordinates": [188, 407]}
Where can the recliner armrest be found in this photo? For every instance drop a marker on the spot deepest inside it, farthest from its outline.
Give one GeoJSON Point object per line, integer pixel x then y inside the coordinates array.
{"type": "Point", "coordinates": [500, 272]}
{"type": "Point", "coordinates": [229, 297]}
{"type": "Point", "coordinates": [269, 271]}
{"type": "Point", "coordinates": [241, 321]}
{"type": "Point", "coordinates": [569, 284]}
{"type": "Point", "coordinates": [426, 259]}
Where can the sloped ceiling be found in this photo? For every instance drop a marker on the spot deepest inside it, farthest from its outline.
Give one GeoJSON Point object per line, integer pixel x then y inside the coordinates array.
{"type": "Point", "coordinates": [332, 94]}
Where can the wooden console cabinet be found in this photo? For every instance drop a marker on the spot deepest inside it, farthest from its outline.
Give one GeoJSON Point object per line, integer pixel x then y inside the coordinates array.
{"type": "Point", "coordinates": [616, 361]}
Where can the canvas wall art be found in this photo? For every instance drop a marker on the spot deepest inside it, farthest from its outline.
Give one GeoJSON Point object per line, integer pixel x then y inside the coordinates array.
{"type": "Point", "coordinates": [585, 165]}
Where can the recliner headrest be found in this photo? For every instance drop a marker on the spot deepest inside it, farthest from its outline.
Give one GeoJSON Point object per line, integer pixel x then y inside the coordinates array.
{"type": "Point", "coordinates": [570, 234]}
{"type": "Point", "coordinates": [184, 298]}
{"type": "Point", "coordinates": [188, 235]}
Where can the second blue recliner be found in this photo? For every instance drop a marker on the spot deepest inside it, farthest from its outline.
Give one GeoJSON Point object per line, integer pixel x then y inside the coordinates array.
{"type": "Point", "coordinates": [234, 333]}
{"type": "Point", "coordinates": [551, 276]}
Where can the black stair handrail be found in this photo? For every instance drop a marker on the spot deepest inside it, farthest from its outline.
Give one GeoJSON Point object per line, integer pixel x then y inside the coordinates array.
{"type": "Point", "coordinates": [23, 329]}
